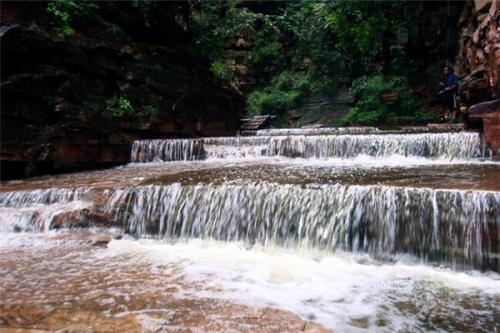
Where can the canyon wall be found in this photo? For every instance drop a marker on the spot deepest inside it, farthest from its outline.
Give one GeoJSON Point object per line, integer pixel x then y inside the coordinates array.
{"type": "Point", "coordinates": [478, 63]}
{"type": "Point", "coordinates": [78, 101]}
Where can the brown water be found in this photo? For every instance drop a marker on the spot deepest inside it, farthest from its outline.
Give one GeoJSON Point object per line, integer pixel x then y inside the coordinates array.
{"type": "Point", "coordinates": [60, 281]}
{"type": "Point", "coordinates": [361, 233]}
{"type": "Point", "coordinates": [460, 176]}
{"type": "Point", "coordinates": [449, 176]}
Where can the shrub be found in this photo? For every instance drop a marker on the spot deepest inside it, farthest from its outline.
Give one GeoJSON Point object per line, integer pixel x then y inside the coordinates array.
{"type": "Point", "coordinates": [63, 11]}
{"type": "Point", "coordinates": [221, 71]}
{"type": "Point", "coordinates": [60, 11]}
{"type": "Point", "coordinates": [371, 110]}
{"type": "Point", "coordinates": [120, 107]}
{"type": "Point", "coordinates": [284, 93]}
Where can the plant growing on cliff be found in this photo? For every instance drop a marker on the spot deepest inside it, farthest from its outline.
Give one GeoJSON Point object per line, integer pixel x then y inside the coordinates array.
{"type": "Point", "coordinates": [370, 109]}
{"type": "Point", "coordinates": [212, 23]}
{"type": "Point", "coordinates": [120, 107]}
{"type": "Point", "coordinates": [63, 12]}
{"type": "Point", "coordinates": [221, 71]}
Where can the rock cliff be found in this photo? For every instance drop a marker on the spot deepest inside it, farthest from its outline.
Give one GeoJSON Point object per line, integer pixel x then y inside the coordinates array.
{"type": "Point", "coordinates": [478, 63]}
{"type": "Point", "coordinates": [66, 99]}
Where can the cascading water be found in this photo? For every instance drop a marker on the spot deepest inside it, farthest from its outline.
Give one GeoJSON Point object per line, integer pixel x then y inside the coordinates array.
{"type": "Point", "coordinates": [356, 229]}
{"type": "Point", "coordinates": [316, 131]}
{"type": "Point", "coordinates": [447, 146]}
{"type": "Point", "coordinates": [40, 197]}
{"type": "Point", "coordinates": [41, 210]}
{"type": "Point", "coordinates": [462, 145]}
{"type": "Point", "coordinates": [167, 150]}
{"type": "Point", "coordinates": [43, 217]}
{"type": "Point", "coordinates": [439, 225]}
{"type": "Point", "coordinates": [342, 130]}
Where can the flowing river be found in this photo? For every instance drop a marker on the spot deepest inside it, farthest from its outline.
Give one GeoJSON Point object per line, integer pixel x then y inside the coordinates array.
{"type": "Point", "coordinates": [301, 230]}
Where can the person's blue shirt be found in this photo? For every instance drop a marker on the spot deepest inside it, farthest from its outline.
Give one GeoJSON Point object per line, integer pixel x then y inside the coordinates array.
{"type": "Point", "coordinates": [451, 81]}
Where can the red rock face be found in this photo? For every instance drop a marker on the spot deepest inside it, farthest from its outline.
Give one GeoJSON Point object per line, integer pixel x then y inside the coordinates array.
{"type": "Point", "coordinates": [489, 114]}
{"type": "Point", "coordinates": [492, 131]}
{"type": "Point", "coordinates": [55, 91]}
{"type": "Point", "coordinates": [478, 61]}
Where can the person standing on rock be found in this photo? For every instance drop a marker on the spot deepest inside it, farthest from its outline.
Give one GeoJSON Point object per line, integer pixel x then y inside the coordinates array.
{"type": "Point", "coordinates": [447, 94]}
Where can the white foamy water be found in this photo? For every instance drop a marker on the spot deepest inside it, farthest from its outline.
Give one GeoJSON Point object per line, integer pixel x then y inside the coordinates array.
{"type": "Point", "coordinates": [42, 217]}
{"type": "Point", "coordinates": [367, 161]}
{"type": "Point", "coordinates": [344, 292]}
{"type": "Point", "coordinates": [318, 131]}
{"type": "Point", "coordinates": [281, 241]}
{"type": "Point", "coordinates": [28, 198]}
{"type": "Point", "coordinates": [450, 146]}
{"type": "Point", "coordinates": [458, 227]}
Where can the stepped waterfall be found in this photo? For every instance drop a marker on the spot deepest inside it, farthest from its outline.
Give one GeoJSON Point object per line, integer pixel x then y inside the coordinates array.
{"type": "Point", "coordinates": [393, 216]}
{"type": "Point", "coordinates": [437, 145]}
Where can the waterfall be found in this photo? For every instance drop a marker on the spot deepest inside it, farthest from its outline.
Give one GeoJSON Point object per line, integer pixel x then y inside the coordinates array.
{"type": "Point", "coordinates": [460, 145]}
{"type": "Point", "coordinates": [44, 217]}
{"type": "Point", "coordinates": [42, 210]}
{"type": "Point", "coordinates": [440, 145]}
{"type": "Point", "coordinates": [167, 150]}
{"type": "Point", "coordinates": [43, 196]}
{"type": "Point", "coordinates": [316, 131]}
{"type": "Point", "coordinates": [461, 227]}
{"type": "Point", "coordinates": [346, 130]}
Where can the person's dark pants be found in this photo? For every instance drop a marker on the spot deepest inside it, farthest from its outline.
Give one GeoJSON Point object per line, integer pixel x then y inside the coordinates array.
{"type": "Point", "coordinates": [448, 100]}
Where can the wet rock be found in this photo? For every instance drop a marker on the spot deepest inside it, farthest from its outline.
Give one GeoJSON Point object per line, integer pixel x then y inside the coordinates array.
{"type": "Point", "coordinates": [446, 127]}
{"type": "Point", "coordinates": [75, 218]}
{"type": "Point", "coordinates": [313, 126]}
{"type": "Point", "coordinates": [19, 316]}
{"type": "Point", "coordinates": [101, 240]}
{"type": "Point", "coordinates": [489, 114]}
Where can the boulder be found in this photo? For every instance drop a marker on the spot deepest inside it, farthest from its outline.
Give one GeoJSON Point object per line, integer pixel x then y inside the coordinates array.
{"type": "Point", "coordinates": [489, 114]}
{"type": "Point", "coordinates": [100, 239]}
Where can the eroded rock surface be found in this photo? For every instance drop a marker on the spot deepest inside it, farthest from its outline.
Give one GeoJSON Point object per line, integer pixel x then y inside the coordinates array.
{"type": "Point", "coordinates": [56, 91]}
{"type": "Point", "coordinates": [478, 62]}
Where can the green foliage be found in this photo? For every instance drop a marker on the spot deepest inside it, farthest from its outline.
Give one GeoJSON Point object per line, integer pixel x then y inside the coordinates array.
{"type": "Point", "coordinates": [366, 32]}
{"type": "Point", "coordinates": [63, 12]}
{"type": "Point", "coordinates": [356, 26]}
{"type": "Point", "coordinates": [221, 71]}
{"type": "Point", "coordinates": [266, 45]}
{"type": "Point", "coordinates": [120, 107]}
{"type": "Point", "coordinates": [370, 108]}
{"type": "Point", "coordinates": [265, 52]}
{"type": "Point", "coordinates": [212, 23]}
{"type": "Point", "coordinates": [305, 29]}
{"type": "Point", "coordinates": [323, 41]}
{"type": "Point", "coordinates": [285, 91]}
{"type": "Point", "coordinates": [293, 50]}
{"type": "Point", "coordinates": [60, 11]}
